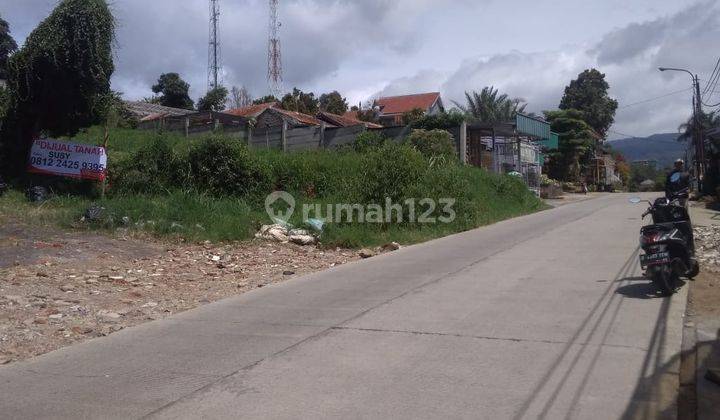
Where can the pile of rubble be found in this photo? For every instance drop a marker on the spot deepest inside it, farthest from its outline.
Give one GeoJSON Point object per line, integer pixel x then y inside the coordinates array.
{"type": "Point", "coordinates": [707, 243]}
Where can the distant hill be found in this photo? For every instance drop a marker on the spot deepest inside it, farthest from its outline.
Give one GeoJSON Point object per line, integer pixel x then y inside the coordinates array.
{"type": "Point", "coordinates": [663, 148]}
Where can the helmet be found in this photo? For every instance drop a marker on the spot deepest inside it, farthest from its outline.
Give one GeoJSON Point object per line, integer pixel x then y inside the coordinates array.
{"type": "Point", "coordinates": [679, 162]}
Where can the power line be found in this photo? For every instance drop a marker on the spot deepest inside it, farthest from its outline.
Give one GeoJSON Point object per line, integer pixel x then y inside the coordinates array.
{"type": "Point", "coordinates": [655, 98]}
{"type": "Point", "coordinates": [713, 78]}
{"type": "Point", "coordinates": [625, 135]}
{"type": "Point", "coordinates": [710, 106]}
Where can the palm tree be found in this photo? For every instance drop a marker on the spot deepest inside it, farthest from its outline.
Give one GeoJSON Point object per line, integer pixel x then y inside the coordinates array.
{"type": "Point", "coordinates": [708, 120]}
{"type": "Point", "coordinates": [490, 107]}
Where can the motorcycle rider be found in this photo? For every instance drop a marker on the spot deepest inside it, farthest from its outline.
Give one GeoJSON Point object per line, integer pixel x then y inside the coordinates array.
{"type": "Point", "coordinates": [677, 180]}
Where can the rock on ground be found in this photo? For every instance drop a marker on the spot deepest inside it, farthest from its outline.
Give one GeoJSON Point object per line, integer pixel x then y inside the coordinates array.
{"type": "Point", "coordinates": [58, 299]}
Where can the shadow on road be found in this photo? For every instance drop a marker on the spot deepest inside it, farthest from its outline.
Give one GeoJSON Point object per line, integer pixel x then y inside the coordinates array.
{"type": "Point", "coordinates": [646, 290]}
{"type": "Point", "coordinates": [545, 394]}
{"type": "Point", "coordinates": [654, 395]}
{"type": "Point", "coordinates": [658, 380]}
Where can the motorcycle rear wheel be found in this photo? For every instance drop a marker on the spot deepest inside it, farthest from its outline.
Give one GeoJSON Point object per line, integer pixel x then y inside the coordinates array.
{"type": "Point", "coordinates": [665, 279]}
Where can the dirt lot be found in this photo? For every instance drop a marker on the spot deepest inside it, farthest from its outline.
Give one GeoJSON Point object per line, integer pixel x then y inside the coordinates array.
{"type": "Point", "coordinates": [701, 396]}
{"type": "Point", "coordinates": [58, 288]}
{"type": "Point", "coordinates": [705, 291]}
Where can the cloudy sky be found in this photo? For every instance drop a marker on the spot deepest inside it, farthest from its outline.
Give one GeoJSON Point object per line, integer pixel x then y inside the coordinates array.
{"type": "Point", "coordinates": [527, 48]}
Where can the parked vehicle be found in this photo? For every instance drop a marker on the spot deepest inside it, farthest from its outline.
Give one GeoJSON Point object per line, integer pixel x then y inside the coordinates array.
{"type": "Point", "coordinates": [668, 243]}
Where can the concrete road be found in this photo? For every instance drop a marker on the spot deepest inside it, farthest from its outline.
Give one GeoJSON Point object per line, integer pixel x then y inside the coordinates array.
{"type": "Point", "coordinates": [540, 316]}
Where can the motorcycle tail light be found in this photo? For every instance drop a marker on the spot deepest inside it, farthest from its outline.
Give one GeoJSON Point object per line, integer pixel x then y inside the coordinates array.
{"type": "Point", "coordinates": [651, 238]}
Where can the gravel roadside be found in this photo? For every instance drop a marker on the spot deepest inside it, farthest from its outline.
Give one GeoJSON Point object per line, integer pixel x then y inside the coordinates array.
{"type": "Point", "coordinates": [59, 288]}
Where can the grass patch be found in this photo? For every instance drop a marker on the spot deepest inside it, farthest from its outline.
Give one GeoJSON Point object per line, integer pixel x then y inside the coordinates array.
{"type": "Point", "coordinates": [214, 189]}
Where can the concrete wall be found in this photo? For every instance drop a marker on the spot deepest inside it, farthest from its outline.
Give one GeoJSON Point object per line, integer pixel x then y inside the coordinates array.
{"type": "Point", "coordinates": [295, 138]}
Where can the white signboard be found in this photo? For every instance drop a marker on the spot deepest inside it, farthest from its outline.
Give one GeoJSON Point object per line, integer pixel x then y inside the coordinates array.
{"type": "Point", "coordinates": [52, 157]}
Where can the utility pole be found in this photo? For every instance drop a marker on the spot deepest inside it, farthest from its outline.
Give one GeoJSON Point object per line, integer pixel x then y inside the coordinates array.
{"type": "Point", "coordinates": [698, 140]}
{"type": "Point", "coordinates": [214, 63]}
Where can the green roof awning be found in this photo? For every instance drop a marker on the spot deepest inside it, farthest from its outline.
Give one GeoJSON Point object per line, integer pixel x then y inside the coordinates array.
{"type": "Point", "coordinates": [532, 127]}
{"type": "Point", "coordinates": [553, 143]}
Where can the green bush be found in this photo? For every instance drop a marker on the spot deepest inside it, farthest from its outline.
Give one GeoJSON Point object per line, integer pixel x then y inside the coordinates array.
{"type": "Point", "coordinates": [226, 167]}
{"type": "Point", "coordinates": [154, 168]}
{"type": "Point", "coordinates": [317, 173]}
{"type": "Point", "coordinates": [444, 120]}
{"type": "Point", "coordinates": [390, 171]}
{"type": "Point", "coordinates": [437, 145]}
{"type": "Point", "coordinates": [213, 188]}
{"type": "Point", "coordinates": [368, 140]}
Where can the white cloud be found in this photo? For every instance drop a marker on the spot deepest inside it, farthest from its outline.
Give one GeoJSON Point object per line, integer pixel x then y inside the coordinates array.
{"type": "Point", "coordinates": [629, 56]}
{"type": "Point", "coordinates": [527, 48]}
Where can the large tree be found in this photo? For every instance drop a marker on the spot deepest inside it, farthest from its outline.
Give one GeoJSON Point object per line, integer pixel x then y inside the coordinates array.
{"type": "Point", "coordinates": [7, 47]}
{"type": "Point", "coordinates": [239, 97]}
{"type": "Point", "coordinates": [59, 81]}
{"type": "Point", "coordinates": [576, 144]}
{"type": "Point", "coordinates": [708, 120]}
{"type": "Point", "coordinates": [174, 91]}
{"type": "Point", "coordinates": [589, 94]}
{"type": "Point", "coordinates": [214, 100]}
{"type": "Point", "coordinates": [333, 103]}
{"type": "Point", "coordinates": [300, 101]}
{"type": "Point", "coordinates": [265, 100]}
{"type": "Point", "coordinates": [490, 107]}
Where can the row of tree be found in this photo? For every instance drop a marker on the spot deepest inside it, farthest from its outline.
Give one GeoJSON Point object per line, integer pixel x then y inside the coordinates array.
{"type": "Point", "coordinates": [171, 90]}
{"type": "Point", "coordinates": [59, 82]}
{"type": "Point", "coordinates": [582, 120]}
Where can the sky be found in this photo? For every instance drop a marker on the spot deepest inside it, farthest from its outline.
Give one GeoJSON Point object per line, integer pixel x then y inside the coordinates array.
{"type": "Point", "coordinates": [529, 49]}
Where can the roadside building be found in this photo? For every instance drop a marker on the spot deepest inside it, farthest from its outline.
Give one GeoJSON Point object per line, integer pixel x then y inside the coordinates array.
{"type": "Point", "coordinates": [392, 108]}
{"type": "Point", "coordinates": [511, 147]}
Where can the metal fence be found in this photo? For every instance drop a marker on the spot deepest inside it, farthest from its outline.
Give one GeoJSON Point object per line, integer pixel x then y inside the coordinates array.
{"type": "Point", "coordinates": [526, 160]}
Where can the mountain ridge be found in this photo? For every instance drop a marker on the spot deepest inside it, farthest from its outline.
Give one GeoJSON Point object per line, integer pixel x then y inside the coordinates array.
{"type": "Point", "coordinates": [662, 147]}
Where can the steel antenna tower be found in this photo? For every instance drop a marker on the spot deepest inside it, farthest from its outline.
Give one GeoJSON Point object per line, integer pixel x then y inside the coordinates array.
{"type": "Point", "coordinates": [214, 61]}
{"type": "Point", "coordinates": [275, 78]}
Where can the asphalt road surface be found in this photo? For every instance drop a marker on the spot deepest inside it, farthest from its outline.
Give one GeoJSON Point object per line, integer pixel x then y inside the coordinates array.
{"type": "Point", "coordinates": [540, 316]}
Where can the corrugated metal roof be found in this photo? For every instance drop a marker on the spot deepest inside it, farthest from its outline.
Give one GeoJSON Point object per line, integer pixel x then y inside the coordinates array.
{"type": "Point", "coordinates": [532, 127]}
{"type": "Point", "coordinates": [145, 109]}
{"type": "Point", "coordinates": [251, 111]}
{"type": "Point", "coordinates": [294, 118]}
{"type": "Point", "coordinates": [344, 120]}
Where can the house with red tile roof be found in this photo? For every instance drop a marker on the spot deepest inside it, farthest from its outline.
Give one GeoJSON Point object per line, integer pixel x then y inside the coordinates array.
{"type": "Point", "coordinates": [392, 108]}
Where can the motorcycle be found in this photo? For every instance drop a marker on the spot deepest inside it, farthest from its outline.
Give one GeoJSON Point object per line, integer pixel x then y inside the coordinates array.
{"type": "Point", "coordinates": [668, 243]}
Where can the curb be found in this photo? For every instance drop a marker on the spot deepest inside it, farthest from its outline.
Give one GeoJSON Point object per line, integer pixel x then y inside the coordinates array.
{"type": "Point", "coordinates": [687, 392]}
